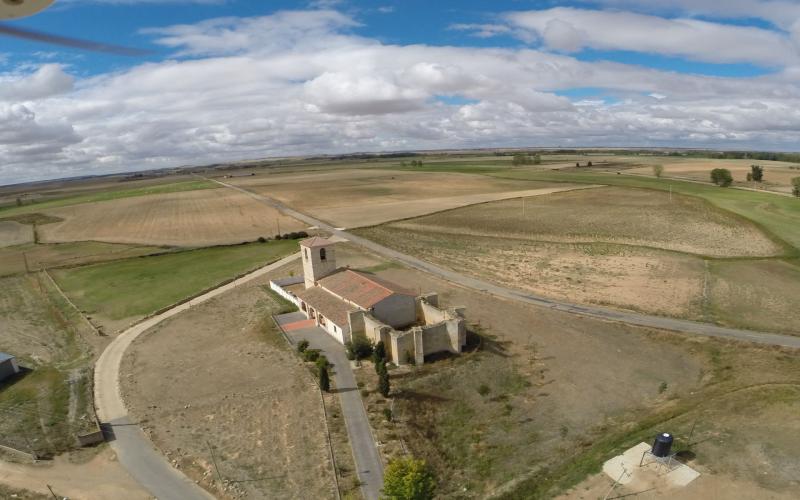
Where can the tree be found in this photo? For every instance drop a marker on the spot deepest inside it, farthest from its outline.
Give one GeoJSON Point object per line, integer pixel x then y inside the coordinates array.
{"type": "Point", "coordinates": [758, 172]}
{"type": "Point", "coordinates": [379, 353]}
{"type": "Point", "coordinates": [359, 348]}
{"type": "Point", "coordinates": [408, 479]}
{"type": "Point", "coordinates": [324, 379]}
{"type": "Point", "coordinates": [383, 382]}
{"type": "Point", "coordinates": [721, 177]}
{"type": "Point", "coordinates": [658, 170]}
{"type": "Point", "coordinates": [537, 159]}
{"type": "Point", "coordinates": [796, 186]}
{"type": "Point", "coordinates": [522, 159]}
{"type": "Point", "coordinates": [380, 367]}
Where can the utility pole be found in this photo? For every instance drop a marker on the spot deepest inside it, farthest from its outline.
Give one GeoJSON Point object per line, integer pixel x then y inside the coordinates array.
{"type": "Point", "coordinates": [214, 460]}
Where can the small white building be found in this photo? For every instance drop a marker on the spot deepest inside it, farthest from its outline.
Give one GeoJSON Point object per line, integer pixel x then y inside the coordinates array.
{"type": "Point", "coordinates": [8, 366]}
{"type": "Point", "coordinates": [346, 303]}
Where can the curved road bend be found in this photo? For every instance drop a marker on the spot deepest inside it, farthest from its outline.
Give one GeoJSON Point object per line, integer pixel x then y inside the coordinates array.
{"type": "Point", "coordinates": [135, 451]}
{"type": "Point", "coordinates": [631, 318]}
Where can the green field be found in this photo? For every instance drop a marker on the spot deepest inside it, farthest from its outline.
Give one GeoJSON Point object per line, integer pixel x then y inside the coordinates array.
{"type": "Point", "coordinates": [138, 286]}
{"type": "Point", "coordinates": [175, 187]}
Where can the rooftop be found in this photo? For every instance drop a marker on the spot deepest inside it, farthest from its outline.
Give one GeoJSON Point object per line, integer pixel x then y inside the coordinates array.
{"type": "Point", "coordinates": [327, 304]}
{"type": "Point", "coordinates": [362, 289]}
{"type": "Point", "coordinates": [315, 241]}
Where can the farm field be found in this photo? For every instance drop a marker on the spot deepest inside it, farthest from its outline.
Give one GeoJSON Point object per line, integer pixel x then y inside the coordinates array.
{"type": "Point", "coordinates": [777, 175]}
{"type": "Point", "coordinates": [354, 198]}
{"type": "Point", "coordinates": [778, 215]}
{"type": "Point", "coordinates": [202, 217]}
{"type": "Point", "coordinates": [537, 407]}
{"type": "Point", "coordinates": [49, 402]}
{"type": "Point", "coordinates": [102, 192]}
{"type": "Point", "coordinates": [116, 293]}
{"type": "Point", "coordinates": [13, 233]}
{"type": "Point", "coordinates": [628, 248]}
{"type": "Point", "coordinates": [220, 375]}
{"type": "Point", "coordinates": [22, 258]}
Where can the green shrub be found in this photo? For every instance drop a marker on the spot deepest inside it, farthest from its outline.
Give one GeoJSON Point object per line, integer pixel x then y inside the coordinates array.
{"type": "Point", "coordinates": [484, 390]}
{"type": "Point", "coordinates": [261, 239]}
{"type": "Point", "coordinates": [387, 412]}
{"type": "Point", "coordinates": [302, 346]}
{"type": "Point", "coordinates": [383, 383]}
{"type": "Point", "coordinates": [721, 177]}
{"type": "Point", "coordinates": [379, 353]}
{"type": "Point", "coordinates": [311, 355]}
{"type": "Point", "coordinates": [796, 186]}
{"type": "Point", "coordinates": [359, 348]}
{"type": "Point", "coordinates": [409, 479]}
{"type": "Point", "coordinates": [322, 362]}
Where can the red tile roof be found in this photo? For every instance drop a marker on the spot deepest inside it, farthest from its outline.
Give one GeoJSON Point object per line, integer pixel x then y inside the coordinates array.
{"type": "Point", "coordinates": [328, 305]}
{"type": "Point", "coordinates": [362, 289]}
{"type": "Point", "coordinates": [315, 241]}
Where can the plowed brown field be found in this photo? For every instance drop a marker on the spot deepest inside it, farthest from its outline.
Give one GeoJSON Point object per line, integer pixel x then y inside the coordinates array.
{"type": "Point", "coordinates": [192, 218]}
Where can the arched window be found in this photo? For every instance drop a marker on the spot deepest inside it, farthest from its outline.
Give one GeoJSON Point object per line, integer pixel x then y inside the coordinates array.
{"type": "Point", "coordinates": [322, 255]}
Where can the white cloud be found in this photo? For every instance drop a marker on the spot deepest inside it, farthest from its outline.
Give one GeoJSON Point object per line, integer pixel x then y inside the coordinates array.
{"type": "Point", "coordinates": [571, 30]}
{"type": "Point", "coordinates": [301, 83]}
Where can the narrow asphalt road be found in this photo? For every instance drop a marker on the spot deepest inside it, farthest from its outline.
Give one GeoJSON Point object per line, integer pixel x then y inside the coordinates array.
{"type": "Point", "coordinates": [631, 318]}
{"type": "Point", "coordinates": [135, 451]}
{"type": "Point", "coordinates": [365, 452]}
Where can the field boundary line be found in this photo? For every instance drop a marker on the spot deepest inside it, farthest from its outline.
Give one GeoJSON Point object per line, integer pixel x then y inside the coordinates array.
{"type": "Point", "coordinates": [80, 313]}
{"type": "Point", "coordinates": [324, 409]}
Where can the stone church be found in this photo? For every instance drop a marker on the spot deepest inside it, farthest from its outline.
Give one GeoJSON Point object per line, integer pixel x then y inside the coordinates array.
{"type": "Point", "coordinates": [347, 303]}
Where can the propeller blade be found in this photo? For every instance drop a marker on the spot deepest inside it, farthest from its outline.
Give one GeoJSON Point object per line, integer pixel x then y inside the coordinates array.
{"type": "Point", "coordinates": [77, 43]}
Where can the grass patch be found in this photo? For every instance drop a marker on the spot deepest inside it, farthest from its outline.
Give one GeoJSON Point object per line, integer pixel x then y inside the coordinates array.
{"type": "Point", "coordinates": [32, 219]}
{"type": "Point", "coordinates": [139, 286]}
{"type": "Point", "coordinates": [175, 187]}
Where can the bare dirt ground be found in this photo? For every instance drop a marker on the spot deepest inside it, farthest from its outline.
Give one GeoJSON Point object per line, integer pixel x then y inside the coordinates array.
{"type": "Point", "coordinates": [220, 377]}
{"type": "Point", "coordinates": [777, 175]}
{"type": "Point", "coordinates": [193, 218]}
{"type": "Point", "coordinates": [13, 233]}
{"type": "Point", "coordinates": [553, 403]}
{"type": "Point", "coordinates": [100, 478]}
{"type": "Point", "coordinates": [355, 198]}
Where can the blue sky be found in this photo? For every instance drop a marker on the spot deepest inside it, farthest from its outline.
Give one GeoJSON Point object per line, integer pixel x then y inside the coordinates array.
{"type": "Point", "coordinates": [238, 79]}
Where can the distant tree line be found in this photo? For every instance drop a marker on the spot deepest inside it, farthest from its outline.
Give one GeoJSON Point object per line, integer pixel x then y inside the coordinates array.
{"type": "Point", "coordinates": [526, 159]}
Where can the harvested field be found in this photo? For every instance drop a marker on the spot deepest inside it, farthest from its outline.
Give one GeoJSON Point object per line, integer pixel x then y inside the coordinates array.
{"type": "Point", "coordinates": [777, 175]}
{"type": "Point", "coordinates": [220, 375]}
{"type": "Point", "coordinates": [355, 198]}
{"type": "Point", "coordinates": [13, 233]}
{"type": "Point", "coordinates": [635, 278]}
{"type": "Point", "coordinates": [608, 215]}
{"type": "Point", "coordinates": [117, 293]}
{"type": "Point", "coordinates": [190, 219]}
{"type": "Point", "coordinates": [22, 258]}
{"type": "Point", "coordinates": [759, 295]}
{"type": "Point", "coordinates": [609, 246]}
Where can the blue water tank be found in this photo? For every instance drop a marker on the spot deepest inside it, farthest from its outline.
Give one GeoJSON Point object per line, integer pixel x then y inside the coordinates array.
{"type": "Point", "coordinates": [662, 445]}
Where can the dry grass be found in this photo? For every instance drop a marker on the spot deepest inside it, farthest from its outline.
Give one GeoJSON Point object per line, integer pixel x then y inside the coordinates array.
{"type": "Point", "coordinates": [354, 198]}
{"type": "Point", "coordinates": [219, 375]}
{"type": "Point", "coordinates": [192, 218]}
{"type": "Point", "coordinates": [13, 233]}
{"type": "Point", "coordinates": [609, 215]}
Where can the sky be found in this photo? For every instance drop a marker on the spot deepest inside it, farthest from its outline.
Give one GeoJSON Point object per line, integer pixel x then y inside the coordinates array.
{"type": "Point", "coordinates": [228, 80]}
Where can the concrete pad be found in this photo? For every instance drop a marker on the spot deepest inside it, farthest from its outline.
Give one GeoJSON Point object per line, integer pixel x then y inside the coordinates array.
{"type": "Point", "coordinates": [652, 474]}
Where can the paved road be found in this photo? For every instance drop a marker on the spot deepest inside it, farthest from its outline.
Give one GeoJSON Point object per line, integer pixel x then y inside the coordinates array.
{"type": "Point", "coordinates": [359, 432]}
{"type": "Point", "coordinates": [631, 318]}
{"type": "Point", "coordinates": [135, 452]}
